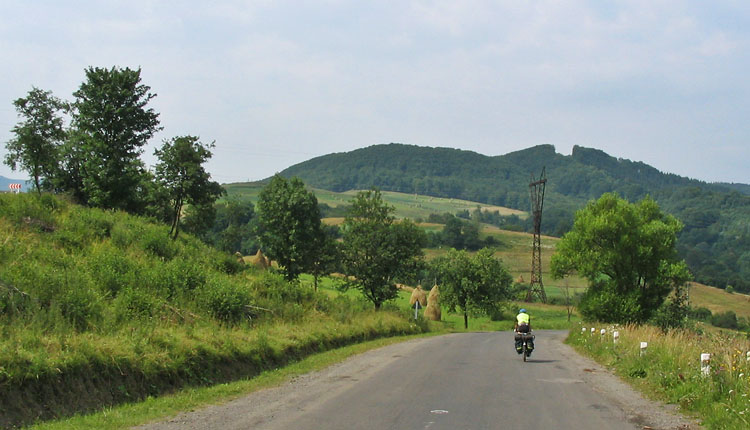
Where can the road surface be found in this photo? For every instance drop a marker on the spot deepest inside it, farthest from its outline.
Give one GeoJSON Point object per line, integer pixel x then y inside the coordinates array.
{"type": "Point", "coordinates": [456, 381]}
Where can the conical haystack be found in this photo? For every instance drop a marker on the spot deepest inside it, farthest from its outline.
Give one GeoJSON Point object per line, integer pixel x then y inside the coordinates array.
{"type": "Point", "coordinates": [432, 311]}
{"type": "Point", "coordinates": [260, 261]}
{"type": "Point", "coordinates": [240, 258]}
{"type": "Point", "coordinates": [418, 295]}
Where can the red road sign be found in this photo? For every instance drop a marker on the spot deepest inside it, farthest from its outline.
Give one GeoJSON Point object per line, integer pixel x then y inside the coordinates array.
{"type": "Point", "coordinates": [14, 186]}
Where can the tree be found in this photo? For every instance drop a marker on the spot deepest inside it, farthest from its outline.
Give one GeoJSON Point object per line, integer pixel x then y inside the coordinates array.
{"type": "Point", "coordinates": [35, 147]}
{"type": "Point", "coordinates": [377, 250]}
{"type": "Point", "coordinates": [289, 225]}
{"type": "Point", "coordinates": [478, 283]}
{"type": "Point", "coordinates": [627, 252]}
{"type": "Point", "coordinates": [113, 123]}
{"type": "Point", "coordinates": [181, 174]}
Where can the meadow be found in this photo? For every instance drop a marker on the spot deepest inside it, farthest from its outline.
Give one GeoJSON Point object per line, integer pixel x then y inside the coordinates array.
{"type": "Point", "coordinates": [671, 370]}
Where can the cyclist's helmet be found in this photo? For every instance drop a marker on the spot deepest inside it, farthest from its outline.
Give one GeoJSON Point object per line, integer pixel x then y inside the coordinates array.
{"type": "Point", "coordinates": [523, 311]}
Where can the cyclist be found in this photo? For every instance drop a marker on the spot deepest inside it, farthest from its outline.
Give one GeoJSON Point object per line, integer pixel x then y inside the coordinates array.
{"type": "Point", "coordinates": [523, 325]}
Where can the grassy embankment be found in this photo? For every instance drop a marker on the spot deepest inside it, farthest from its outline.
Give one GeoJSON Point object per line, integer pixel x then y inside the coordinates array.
{"type": "Point", "coordinates": [670, 370]}
{"type": "Point", "coordinates": [98, 308]}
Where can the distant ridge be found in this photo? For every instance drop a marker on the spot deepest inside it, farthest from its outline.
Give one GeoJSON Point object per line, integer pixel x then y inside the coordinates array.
{"type": "Point", "coordinates": [715, 241]}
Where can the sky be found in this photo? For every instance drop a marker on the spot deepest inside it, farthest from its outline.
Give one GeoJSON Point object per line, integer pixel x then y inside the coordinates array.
{"type": "Point", "coordinates": [275, 83]}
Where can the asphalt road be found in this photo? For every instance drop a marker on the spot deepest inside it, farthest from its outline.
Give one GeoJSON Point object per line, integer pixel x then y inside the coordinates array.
{"type": "Point", "coordinates": [457, 381]}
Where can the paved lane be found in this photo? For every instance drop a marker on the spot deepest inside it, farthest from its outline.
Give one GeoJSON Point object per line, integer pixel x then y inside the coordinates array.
{"type": "Point", "coordinates": [457, 381]}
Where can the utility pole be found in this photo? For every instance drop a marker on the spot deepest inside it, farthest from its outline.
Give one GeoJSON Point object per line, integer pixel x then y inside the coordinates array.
{"type": "Point", "coordinates": [536, 287]}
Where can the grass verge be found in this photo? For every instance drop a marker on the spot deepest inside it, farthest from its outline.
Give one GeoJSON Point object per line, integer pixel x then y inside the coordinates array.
{"type": "Point", "coordinates": [159, 408]}
{"type": "Point", "coordinates": [670, 369]}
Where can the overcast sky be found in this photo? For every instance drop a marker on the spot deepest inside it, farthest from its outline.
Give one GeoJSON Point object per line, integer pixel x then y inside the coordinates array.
{"type": "Point", "coordinates": [274, 83]}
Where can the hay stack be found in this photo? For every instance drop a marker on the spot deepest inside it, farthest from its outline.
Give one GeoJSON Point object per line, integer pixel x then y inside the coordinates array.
{"type": "Point", "coordinates": [240, 258]}
{"type": "Point", "coordinates": [260, 261]}
{"type": "Point", "coordinates": [406, 288]}
{"type": "Point", "coordinates": [418, 295]}
{"type": "Point", "coordinates": [432, 311]}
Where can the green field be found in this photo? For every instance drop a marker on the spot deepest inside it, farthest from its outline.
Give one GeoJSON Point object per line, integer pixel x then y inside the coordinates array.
{"type": "Point", "coordinates": [407, 205]}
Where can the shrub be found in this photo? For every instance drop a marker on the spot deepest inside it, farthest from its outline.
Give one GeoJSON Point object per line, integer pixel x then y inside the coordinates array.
{"type": "Point", "coordinates": [228, 264]}
{"type": "Point", "coordinates": [225, 300]}
{"type": "Point", "coordinates": [157, 242]}
{"type": "Point", "coordinates": [111, 269]}
{"type": "Point", "coordinates": [727, 319]}
{"type": "Point", "coordinates": [602, 303]}
{"type": "Point", "coordinates": [700, 314]}
{"type": "Point", "coordinates": [134, 303]}
{"type": "Point", "coordinates": [176, 277]}
{"type": "Point", "coordinates": [81, 307]}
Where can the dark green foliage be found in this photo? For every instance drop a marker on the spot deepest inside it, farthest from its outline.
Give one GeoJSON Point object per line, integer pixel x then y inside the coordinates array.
{"type": "Point", "coordinates": [111, 124]}
{"type": "Point", "coordinates": [184, 181]}
{"type": "Point", "coordinates": [627, 252]}
{"type": "Point", "coordinates": [713, 243]}
{"type": "Point", "coordinates": [35, 147]}
{"type": "Point", "coordinates": [377, 251]}
{"type": "Point", "coordinates": [674, 312]}
{"type": "Point", "coordinates": [156, 241]}
{"type": "Point", "coordinates": [80, 306]}
{"type": "Point", "coordinates": [135, 304]}
{"type": "Point", "coordinates": [289, 228]}
{"type": "Point", "coordinates": [226, 301]}
{"type": "Point", "coordinates": [727, 319]}
{"type": "Point", "coordinates": [472, 283]}
{"type": "Point", "coordinates": [700, 314]}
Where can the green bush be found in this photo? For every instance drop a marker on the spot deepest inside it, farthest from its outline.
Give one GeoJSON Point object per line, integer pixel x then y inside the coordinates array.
{"type": "Point", "coordinates": [700, 314]}
{"type": "Point", "coordinates": [81, 307]}
{"type": "Point", "coordinates": [727, 319]}
{"type": "Point", "coordinates": [156, 242]}
{"type": "Point", "coordinates": [176, 277]}
{"type": "Point", "coordinates": [134, 303]}
{"type": "Point", "coordinates": [225, 300]}
{"type": "Point", "coordinates": [111, 269]}
{"type": "Point", "coordinates": [228, 264]}
{"type": "Point", "coordinates": [602, 303]}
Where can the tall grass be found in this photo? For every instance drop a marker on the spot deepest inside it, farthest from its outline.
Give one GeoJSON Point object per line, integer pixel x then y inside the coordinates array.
{"type": "Point", "coordinates": [100, 307]}
{"type": "Point", "coordinates": [670, 370]}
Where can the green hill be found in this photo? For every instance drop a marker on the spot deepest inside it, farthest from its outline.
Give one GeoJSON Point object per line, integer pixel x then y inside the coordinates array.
{"type": "Point", "coordinates": [99, 307]}
{"type": "Point", "coordinates": [715, 241]}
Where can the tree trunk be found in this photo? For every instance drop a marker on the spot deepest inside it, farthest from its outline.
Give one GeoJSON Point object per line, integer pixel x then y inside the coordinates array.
{"type": "Point", "coordinates": [466, 320]}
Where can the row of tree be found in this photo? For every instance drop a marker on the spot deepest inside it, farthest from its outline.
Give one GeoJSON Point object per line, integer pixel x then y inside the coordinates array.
{"type": "Point", "coordinates": [90, 148]}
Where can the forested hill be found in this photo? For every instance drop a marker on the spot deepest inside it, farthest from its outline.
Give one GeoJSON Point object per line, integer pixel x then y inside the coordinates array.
{"type": "Point", "coordinates": [715, 241]}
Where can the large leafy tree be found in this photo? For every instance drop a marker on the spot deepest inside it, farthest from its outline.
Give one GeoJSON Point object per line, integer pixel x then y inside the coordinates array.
{"type": "Point", "coordinates": [181, 175]}
{"type": "Point", "coordinates": [476, 283]}
{"type": "Point", "coordinates": [627, 252]}
{"type": "Point", "coordinates": [289, 225]}
{"type": "Point", "coordinates": [377, 250]}
{"type": "Point", "coordinates": [112, 123]}
{"type": "Point", "coordinates": [38, 137]}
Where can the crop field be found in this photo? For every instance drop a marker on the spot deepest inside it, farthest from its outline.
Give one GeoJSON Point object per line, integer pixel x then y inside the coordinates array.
{"type": "Point", "coordinates": [718, 300]}
{"type": "Point", "coordinates": [407, 205]}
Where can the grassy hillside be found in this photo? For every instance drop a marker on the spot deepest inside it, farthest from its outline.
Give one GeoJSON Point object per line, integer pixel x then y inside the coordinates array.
{"type": "Point", "coordinates": [100, 307]}
{"type": "Point", "coordinates": [715, 242]}
{"type": "Point", "coordinates": [407, 205]}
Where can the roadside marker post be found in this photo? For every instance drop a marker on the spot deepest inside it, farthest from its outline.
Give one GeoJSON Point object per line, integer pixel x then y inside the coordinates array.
{"type": "Point", "coordinates": [592, 330]}
{"type": "Point", "coordinates": [705, 364]}
{"type": "Point", "coordinates": [615, 337]}
{"type": "Point", "coordinates": [644, 345]}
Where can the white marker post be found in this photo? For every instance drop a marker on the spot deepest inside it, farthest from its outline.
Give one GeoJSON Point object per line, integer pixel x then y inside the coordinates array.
{"type": "Point", "coordinates": [748, 356]}
{"type": "Point", "coordinates": [644, 345]}
{"type": "Point", "coordinates": [603, 332]}
{"type": "Point", "coordinates": [616, 337]}
{"type": "Point", "coordinates": [416, 309]}
{"type": "Point", "coordinates": [705, 364]}
{"type": "Point", "coordinates": [592, 330]}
